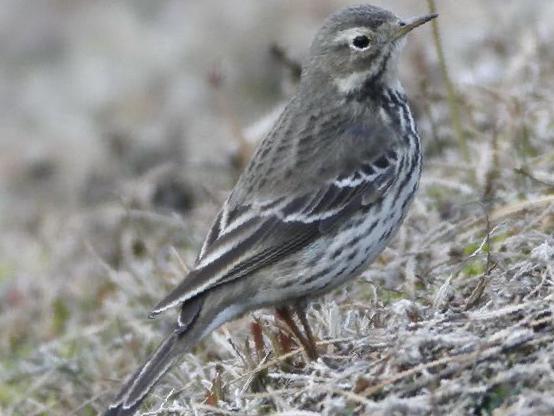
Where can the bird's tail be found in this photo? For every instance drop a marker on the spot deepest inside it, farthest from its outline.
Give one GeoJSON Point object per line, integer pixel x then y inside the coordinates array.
{"type": "Point", "coordinates": [139, 385]}
{"type": "Point", "coordinates": [183, 337]}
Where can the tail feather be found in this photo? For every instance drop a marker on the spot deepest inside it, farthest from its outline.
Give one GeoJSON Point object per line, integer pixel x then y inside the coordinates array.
{"type": "Point", "coordinates": [139, 385]}
{"type": "Point", "coordinates": [168, 352]}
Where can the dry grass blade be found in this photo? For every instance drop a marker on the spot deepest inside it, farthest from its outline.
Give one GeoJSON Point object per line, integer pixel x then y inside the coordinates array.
{"type": "Point", "coordinates": [452, 94]}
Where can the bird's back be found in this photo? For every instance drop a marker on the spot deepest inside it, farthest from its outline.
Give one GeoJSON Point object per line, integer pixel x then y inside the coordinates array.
{"type": "Point", "coordinates": [314, 140]}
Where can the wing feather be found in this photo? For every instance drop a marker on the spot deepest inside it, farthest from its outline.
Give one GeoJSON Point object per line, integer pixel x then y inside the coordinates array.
{"type": "Point", "coordinates": [261, 230]}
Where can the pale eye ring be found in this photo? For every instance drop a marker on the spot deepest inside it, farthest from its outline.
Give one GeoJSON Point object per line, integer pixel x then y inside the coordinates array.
{"type": "Point", "coordinates": [360, 42]}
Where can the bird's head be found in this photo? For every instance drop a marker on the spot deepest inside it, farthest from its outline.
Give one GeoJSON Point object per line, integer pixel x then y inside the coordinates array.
{"type": "Point", "coordinates": [360, 45]}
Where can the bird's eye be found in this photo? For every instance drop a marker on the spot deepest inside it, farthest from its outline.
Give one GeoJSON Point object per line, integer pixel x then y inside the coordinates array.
{"type": "Point", "coordinates": [360, 42]}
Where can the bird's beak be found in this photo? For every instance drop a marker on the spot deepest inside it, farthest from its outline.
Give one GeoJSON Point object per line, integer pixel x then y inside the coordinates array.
{"type": "Point", "coordinates": [407, 25]}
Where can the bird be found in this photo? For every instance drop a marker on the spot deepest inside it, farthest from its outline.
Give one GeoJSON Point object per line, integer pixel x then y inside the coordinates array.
{"type": "Point", "coordinates": [323, 194]}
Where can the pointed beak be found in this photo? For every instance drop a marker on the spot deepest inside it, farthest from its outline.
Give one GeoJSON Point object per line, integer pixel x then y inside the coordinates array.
{"type": "Point", "coordinates": [407, 25]}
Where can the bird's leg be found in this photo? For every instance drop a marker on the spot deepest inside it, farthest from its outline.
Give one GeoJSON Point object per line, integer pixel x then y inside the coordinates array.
{"type": "Point", "coordinates": [284, 314]}
{"type": "Point", "coordinates": [300, 309]}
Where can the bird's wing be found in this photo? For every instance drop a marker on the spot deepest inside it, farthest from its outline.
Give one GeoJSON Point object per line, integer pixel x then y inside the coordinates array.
{"type": "Point", "coordinates": [261, 230]}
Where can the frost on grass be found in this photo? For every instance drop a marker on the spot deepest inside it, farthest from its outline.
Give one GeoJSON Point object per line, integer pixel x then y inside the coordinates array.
{"type": "Point", "coordinates": [455, 317]}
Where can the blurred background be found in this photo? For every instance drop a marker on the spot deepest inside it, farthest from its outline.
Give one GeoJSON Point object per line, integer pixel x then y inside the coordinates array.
{"type": "Point", "coordinates": [123, 125]}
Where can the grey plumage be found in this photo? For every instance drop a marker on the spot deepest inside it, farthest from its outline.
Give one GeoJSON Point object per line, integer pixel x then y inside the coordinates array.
{"type": "Point", "coordinates": [321, 197]}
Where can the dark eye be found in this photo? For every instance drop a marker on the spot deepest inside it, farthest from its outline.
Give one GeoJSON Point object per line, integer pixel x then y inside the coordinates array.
{"type": "Point", "coordinates": [360, 42]}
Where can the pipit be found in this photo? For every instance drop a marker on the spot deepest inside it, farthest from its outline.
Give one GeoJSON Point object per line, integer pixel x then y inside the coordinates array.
{"type": "Point", "coordinates": [323, 194]}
